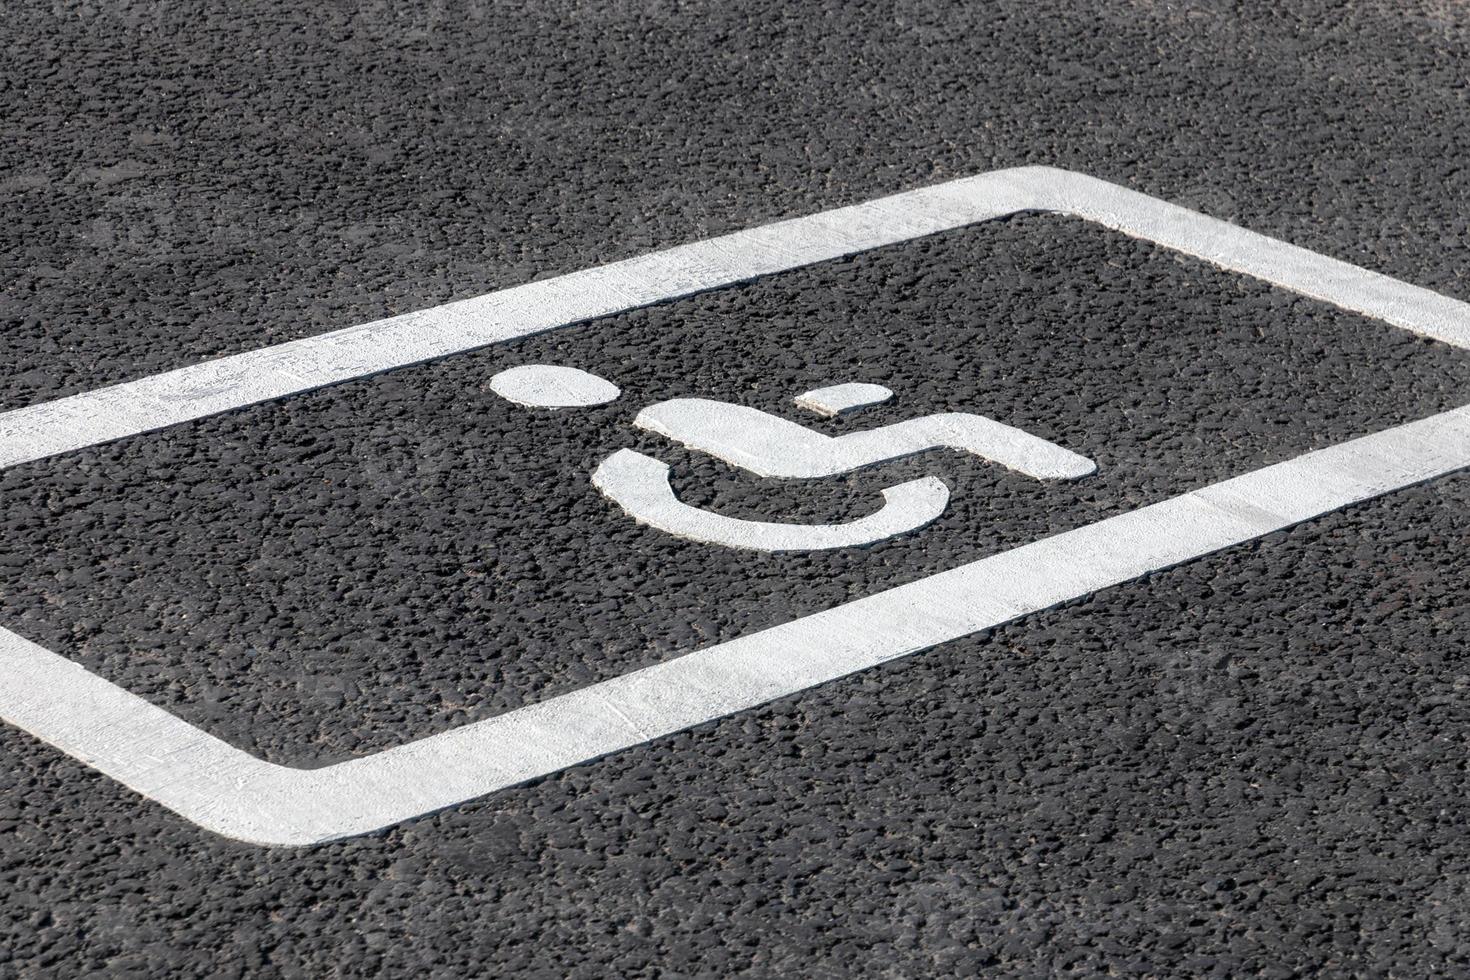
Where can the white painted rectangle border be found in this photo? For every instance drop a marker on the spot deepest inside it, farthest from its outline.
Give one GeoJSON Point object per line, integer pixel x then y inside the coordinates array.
{"type": "Point", "coordinates": [233, 793]}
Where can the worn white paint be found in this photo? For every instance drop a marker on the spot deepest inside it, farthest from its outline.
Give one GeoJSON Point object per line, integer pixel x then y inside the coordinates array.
{"type": "Point", "coordinates": [234, 793]}
{"type": "Point", "coordinates": [840, 399]}
{"type": "Point", "coordinates": [552, 386]}
{"type": "Point", "coordinates": [640, 485]}
{"type": "Point", "coordinates": [770, 446]}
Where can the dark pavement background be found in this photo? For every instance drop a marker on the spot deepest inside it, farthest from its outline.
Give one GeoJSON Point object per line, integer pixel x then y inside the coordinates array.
{"type": "Point", "coordinates": [1252, 765]}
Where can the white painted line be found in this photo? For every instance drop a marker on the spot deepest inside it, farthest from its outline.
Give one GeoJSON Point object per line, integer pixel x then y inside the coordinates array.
{"type": "Point", "coordinates": [771, 446]}
{"type": "Point", "coordinates": [640, 485]}
{"type": "Point", "coordinates": [552, 386]}
{"type": "Point", "coordinates": [843, 398]}
{"type": "Point", "coordinates": [231, 382]}
{"type": "Point", "coordinates": [233, 793]}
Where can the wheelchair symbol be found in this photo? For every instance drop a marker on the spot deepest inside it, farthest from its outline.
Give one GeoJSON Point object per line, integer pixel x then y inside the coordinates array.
{"type": "Point", "coordinates": [770, 446]}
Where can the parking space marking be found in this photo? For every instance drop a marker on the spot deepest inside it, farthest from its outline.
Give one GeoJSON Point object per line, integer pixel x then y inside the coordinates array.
{"type": "Point", "coordinates": [233, 793]}
{"type": "Point", "coordinates": [199, 390]}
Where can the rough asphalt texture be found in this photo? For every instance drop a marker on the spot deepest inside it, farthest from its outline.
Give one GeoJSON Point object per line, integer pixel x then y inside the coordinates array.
{"type": "Point", "coordinates": [1251, 765]}
{"type": "Point", "coordinates": [374, 562]}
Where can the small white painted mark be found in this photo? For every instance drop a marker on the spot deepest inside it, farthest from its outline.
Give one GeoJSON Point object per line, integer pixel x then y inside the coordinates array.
{"type": "Point", "coordinates": [640, 485]}
{"type": "Point", "coordinates": [838, 399]}
{"type": "Point", "coordinates": [553, 386]}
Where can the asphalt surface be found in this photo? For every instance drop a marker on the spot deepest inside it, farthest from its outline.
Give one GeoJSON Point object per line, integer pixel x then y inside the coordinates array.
{"type": "Point", "coordinates": [1249, 765]}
